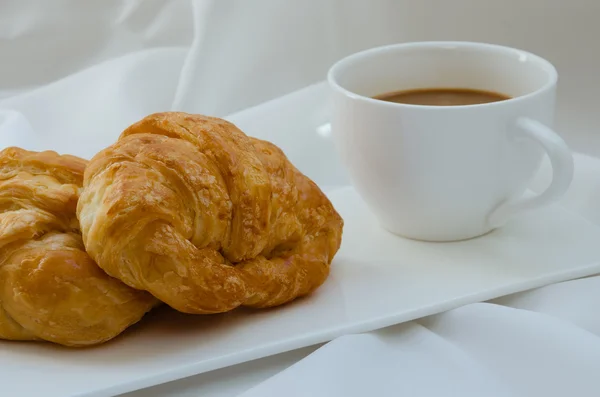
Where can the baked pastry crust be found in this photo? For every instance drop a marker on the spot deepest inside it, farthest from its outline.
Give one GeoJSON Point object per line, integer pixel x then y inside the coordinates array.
{"type": "Point", "coordinates": [50, 288]}
{"type": "Point", "coordinates": [206, 218]}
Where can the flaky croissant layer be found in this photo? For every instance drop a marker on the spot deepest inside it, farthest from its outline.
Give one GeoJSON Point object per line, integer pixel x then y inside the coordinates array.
{"type": "Point", "coordinates": [204, 217]}
{"type": "Point", "coordinates": [50, 288]}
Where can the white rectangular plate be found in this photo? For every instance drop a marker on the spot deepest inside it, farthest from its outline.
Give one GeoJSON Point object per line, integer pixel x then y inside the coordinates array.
{"type": "Point", "coordinates": [377, 280]}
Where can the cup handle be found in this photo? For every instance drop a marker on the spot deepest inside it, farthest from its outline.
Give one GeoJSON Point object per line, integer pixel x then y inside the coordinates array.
{"type": "Point", "coordinates": [561, 160]}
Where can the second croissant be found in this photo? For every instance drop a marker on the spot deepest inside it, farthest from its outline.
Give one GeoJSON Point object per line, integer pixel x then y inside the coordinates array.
{"type": "Point", "coordinates": [50, 289]}
{"type": "Point", "coordinates": [206, 218]}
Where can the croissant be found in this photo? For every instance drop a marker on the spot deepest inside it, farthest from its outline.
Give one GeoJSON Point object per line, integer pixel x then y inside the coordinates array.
{"type": "Point", "coordinates": [50, 289]}
{"type": "Point", "coordinates": [206, 218]}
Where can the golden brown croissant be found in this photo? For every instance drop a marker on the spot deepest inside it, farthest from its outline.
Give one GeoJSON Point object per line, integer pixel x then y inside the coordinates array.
{"type": "Point", "coordinates": [50, 289]}
{"type": "Point", "coordinates": [204, 217]}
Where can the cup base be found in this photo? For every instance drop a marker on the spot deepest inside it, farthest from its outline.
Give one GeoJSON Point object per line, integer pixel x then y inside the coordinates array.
{"type": "Point", "coordinates": [437, 238]}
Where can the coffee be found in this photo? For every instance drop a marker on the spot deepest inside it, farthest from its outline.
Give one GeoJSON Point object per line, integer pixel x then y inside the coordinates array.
{"type": "Point", "coordinates": [442, 96]}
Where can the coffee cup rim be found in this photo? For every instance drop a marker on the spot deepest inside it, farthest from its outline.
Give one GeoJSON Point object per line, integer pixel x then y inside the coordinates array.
{"type": "Point", "coordinates": [545, 65]}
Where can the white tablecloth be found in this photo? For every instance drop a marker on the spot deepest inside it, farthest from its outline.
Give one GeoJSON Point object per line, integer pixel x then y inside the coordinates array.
{"type": "Point", "coordinates": [88, 69]}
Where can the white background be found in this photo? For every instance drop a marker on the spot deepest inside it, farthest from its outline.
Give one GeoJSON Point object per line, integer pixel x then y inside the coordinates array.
{"type": "Point", "coordinates": [243, 52]}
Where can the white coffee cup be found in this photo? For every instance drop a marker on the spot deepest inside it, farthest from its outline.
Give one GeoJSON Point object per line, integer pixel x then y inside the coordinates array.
{"type": "Point", "coordinates": [445, 173]}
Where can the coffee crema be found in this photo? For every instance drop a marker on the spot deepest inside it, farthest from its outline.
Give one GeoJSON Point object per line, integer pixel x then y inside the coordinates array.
{"type": "Point", "coordinates": [442, 96]}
